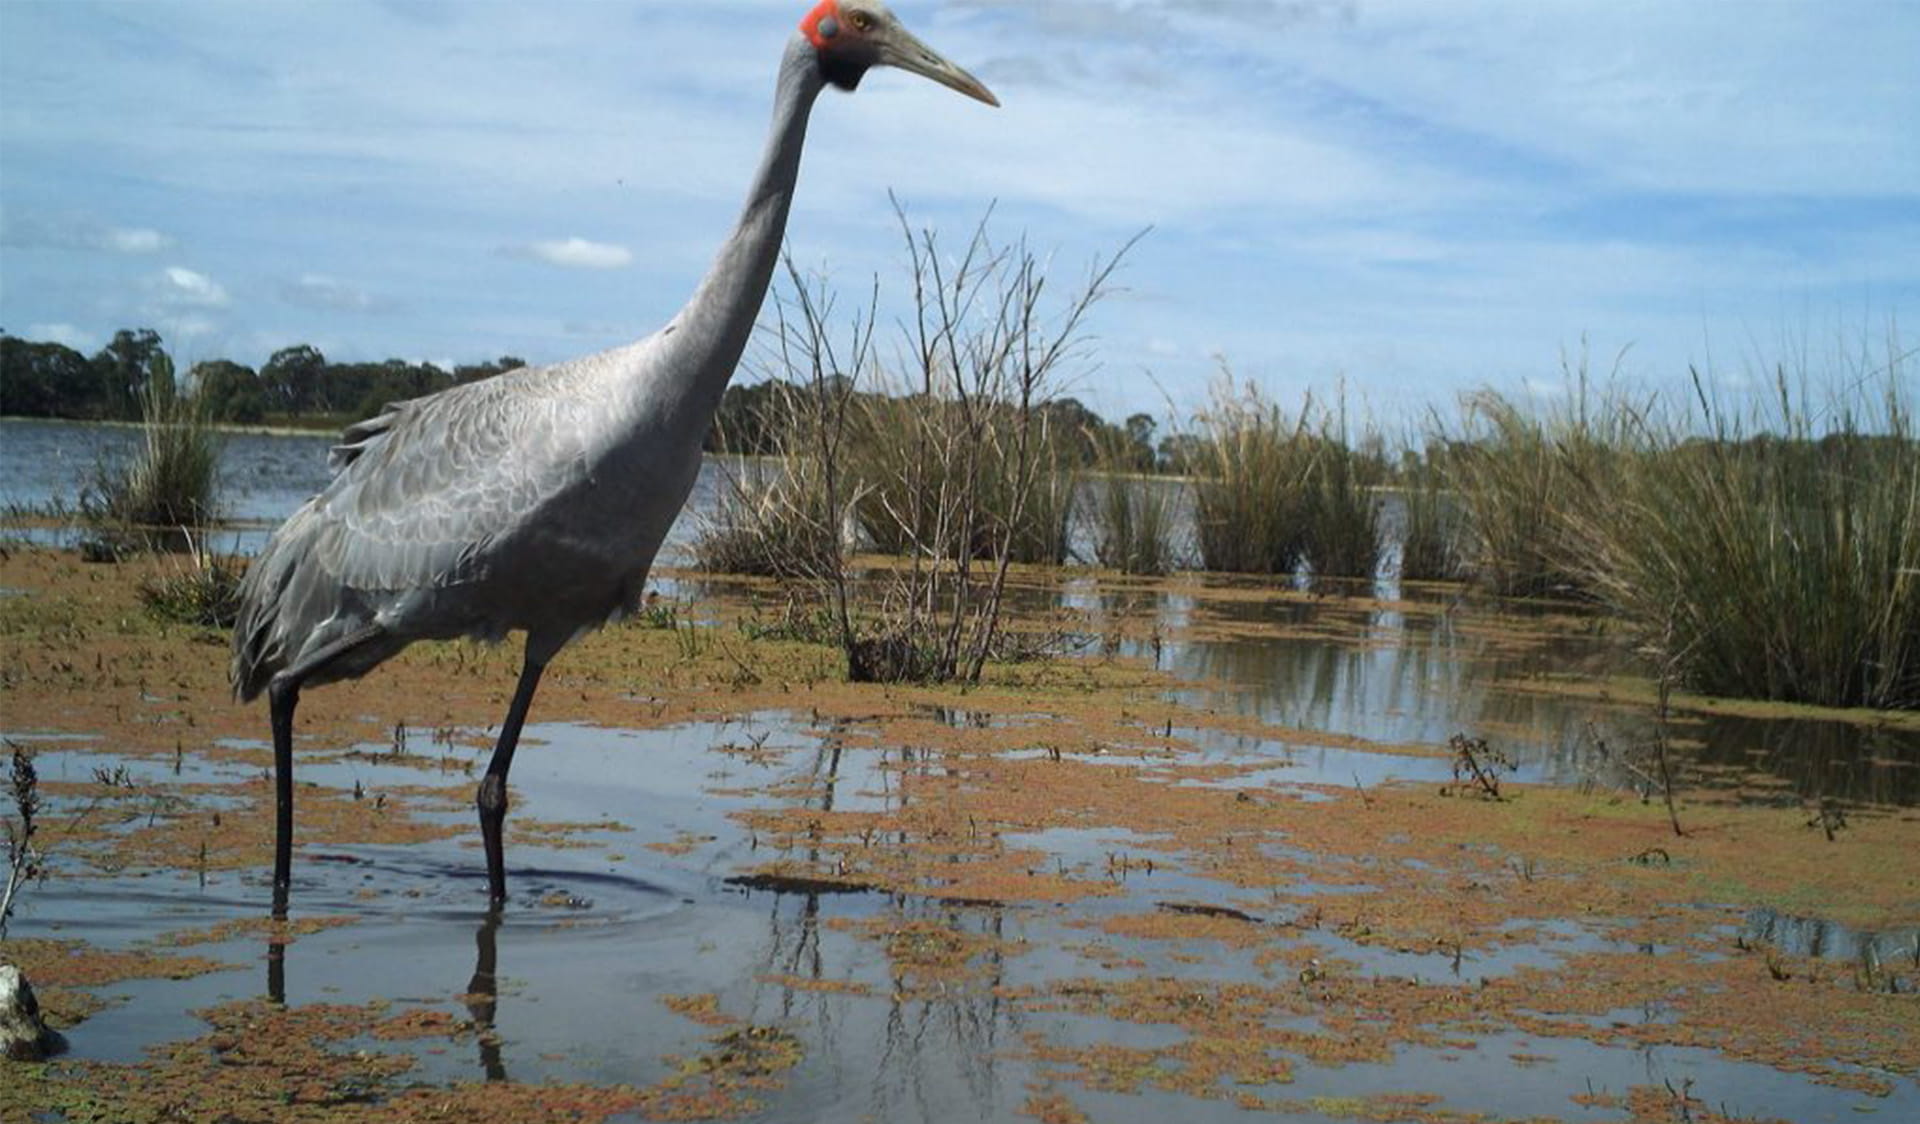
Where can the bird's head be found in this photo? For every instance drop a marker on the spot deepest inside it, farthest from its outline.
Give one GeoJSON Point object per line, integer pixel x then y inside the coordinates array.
{"type": "Point", "coordinates": [849, 36]}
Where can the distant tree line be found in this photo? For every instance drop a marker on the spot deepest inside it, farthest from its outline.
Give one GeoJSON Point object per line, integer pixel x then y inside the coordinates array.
{"type": "Point", "coordinates": [753, 421]}
{"type": "Point", "coordinates": [296, 386]}
{"type": "Point", "coordinates": [299, 386]}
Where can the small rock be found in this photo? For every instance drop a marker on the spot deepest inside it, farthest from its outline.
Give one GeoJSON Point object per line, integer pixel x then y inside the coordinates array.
{"type": "Point", "coordinates": [24, 1036]}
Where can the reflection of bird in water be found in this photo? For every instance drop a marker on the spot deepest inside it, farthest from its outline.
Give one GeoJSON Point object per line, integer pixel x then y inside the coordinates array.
{"type": "Point", "coordinates": [483, 997]}
{"type": "Point", "coordinates": [534, 500]}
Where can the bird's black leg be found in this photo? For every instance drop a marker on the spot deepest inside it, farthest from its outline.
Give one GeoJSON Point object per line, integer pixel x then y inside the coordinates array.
{"type": "Point", "coordinates": [283, 695]}
{"type": "Point", "coordinates": [492, 797]}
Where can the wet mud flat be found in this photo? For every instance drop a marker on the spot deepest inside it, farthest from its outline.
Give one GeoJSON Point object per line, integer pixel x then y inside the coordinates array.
{"type": "Point", "coordinates": [1223, 858]}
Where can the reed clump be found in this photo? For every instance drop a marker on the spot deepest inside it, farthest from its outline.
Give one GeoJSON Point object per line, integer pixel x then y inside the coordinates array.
{"type": "Point", "coordinates": [1772, 553]}
{"type": "Point", "coordinates": [773, 517]}
{"type": "Point", "coordinates": [171, 484]}
{"type": "Point", "coordinates": [1765, 550]}
{"type": "Point", "coordinates": [768, 523]}
{"type": "Point", "coordinates": [1429, 532]}
{"type": "Point", "coordinates": [1516, 473]}
{"type": "Point", "coordinates": [1279, 493]}
{"type": "Point", "coordinates": [1132, 517]}
{"type": "Point", "coordinates": [946, 476]}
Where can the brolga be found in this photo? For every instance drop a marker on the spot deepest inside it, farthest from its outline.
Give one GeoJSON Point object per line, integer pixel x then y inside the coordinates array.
{"type": "Point", "coordinates": [533, 501]}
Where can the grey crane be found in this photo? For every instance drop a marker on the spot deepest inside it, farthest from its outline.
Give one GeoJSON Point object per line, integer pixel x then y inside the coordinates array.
{"type": "Point", "coordinates": [537, 499]}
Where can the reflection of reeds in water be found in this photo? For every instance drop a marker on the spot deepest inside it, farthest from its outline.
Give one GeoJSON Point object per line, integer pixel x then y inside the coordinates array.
{"type": "Point", "coordinates": [1799, 761]}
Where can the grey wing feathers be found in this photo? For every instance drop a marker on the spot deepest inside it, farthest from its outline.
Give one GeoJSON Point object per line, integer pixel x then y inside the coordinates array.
{"type": "Point", "coordinates": [363, 435]}
{"type": "Point", "coordinates": [421, 493]}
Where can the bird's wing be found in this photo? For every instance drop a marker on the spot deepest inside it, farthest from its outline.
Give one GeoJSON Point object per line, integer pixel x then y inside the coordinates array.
{"type": "Point", "coordinates": [423, 490]}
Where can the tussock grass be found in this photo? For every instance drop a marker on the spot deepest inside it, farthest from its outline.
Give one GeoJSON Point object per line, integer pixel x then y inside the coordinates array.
{"type": "Point", "coordinates": [204, 592]}
{"type": "Point", "coordinates": [171, 483]}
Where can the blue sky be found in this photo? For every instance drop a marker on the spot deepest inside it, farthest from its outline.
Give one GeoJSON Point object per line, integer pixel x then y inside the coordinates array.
{"type": "Point", "coordinates": [1410, 198]}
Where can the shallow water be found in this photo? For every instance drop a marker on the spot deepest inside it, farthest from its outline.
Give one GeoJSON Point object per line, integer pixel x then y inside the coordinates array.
{"type": "Point", "coordinates": [571, 979]}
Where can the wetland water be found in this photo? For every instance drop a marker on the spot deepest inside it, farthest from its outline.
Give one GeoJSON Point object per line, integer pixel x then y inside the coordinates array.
{"type": "Point", "coordinates": [1062, 899]}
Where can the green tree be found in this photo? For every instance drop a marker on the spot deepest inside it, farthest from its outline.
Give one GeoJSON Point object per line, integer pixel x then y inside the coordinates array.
{"type": "Point", "coordinates": [474, 372]}
{"type": "Point", "coordinates": [124, 366]}
{"type": "Point", "coordinates": [292, 380]}
{"type": "Point", "coordinates": [1140, 429]}
{"type": "Point", "coordinates": [47, 380]}
{"type": "Point", "coordinates": [233, 393]}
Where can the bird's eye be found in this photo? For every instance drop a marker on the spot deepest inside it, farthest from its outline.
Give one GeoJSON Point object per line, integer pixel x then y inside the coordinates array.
{"type": "Point", "coordinates": [861, 21]}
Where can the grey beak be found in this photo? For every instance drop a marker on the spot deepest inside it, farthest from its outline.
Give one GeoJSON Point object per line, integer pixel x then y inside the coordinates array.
{"type": "Point", "coordinates": [905, 52]}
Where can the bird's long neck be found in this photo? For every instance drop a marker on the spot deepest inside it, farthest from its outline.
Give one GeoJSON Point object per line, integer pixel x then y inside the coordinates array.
{"type": "Point", "coordinates": [711, 331]}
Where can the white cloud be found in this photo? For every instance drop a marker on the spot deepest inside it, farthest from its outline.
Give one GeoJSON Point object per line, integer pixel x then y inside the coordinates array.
{"type": "Point", "coordinates": [133, 240]}
{"type": "Point", "coordinates": [187, 326]}
{"type": "Point", "coordinates": [64, 333]}
{"type": "Point", "coordinates": [576, 253]}
{"type": "Point", "coordinates": [179, 286]}
{"type": "Point", "coordinates": [313, 290]}
{"type": "Point", "coordinates": [42, 233]}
